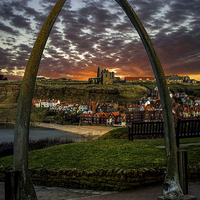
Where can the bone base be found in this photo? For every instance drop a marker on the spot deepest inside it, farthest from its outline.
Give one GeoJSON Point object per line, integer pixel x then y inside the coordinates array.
{"type": "Point", "coordinates": [186, 197]}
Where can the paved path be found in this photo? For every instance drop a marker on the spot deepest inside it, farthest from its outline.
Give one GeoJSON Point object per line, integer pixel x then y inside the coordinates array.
{"type": "Point", "coordinates": [149, 193]}
{"type": "Point", "coordinates": [183, 145]}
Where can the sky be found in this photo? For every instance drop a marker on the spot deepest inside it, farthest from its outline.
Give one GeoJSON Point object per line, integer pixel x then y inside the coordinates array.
{"type": "Point", "coordinates": [96, 33]}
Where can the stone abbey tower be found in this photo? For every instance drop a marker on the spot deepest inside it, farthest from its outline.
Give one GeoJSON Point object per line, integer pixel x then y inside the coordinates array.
{"type": "Point", "coordinates": [98, 72]}
{"type": "Point", "coordinates": [104, 77]}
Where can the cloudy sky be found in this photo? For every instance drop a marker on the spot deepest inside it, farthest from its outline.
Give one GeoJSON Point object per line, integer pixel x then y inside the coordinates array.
{"type": "Point", "coordinates": [96, 33]}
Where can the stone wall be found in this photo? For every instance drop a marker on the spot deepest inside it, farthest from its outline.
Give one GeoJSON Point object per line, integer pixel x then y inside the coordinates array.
{"type": "Point", "coordinates": [101, 179]}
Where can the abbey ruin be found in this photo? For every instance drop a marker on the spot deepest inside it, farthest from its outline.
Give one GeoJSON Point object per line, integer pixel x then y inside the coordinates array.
{"type": "Point", "coordinates": [104, 77]}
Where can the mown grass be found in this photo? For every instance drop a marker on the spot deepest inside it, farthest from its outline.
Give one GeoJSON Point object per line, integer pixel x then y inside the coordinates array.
{"type": "Point", "coordinates": [195, 87]}
{"type": "Point", "coordinates": [118, 133]}
{"type": "Point", "coordinates": [150, 85]}
{"type": "Point", "coordinates": [175, 86]}
{"type": "Point", "coordinates": [107, 154]}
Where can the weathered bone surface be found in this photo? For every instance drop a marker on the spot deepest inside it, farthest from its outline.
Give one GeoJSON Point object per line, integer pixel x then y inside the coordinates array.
{"type": "Point", "coordinates": [172, 190]}
{"type": "Point", "coordinates": [173, 187]}
{"type": "Point", "coordinates": [24, 105]}
{"type": "Point", "coordinates": [21, 136]}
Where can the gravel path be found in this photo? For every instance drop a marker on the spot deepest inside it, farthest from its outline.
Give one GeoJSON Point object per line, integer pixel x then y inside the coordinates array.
{"type": "Point", "coordinates": [149, 193]}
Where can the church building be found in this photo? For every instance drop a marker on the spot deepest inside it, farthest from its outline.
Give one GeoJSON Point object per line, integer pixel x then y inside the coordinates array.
{"type": "Point", "coordinates": [104, 77]}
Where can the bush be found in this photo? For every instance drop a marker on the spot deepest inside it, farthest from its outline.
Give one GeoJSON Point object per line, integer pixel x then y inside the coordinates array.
{"type": "Point", "coordinates": [37, 144]}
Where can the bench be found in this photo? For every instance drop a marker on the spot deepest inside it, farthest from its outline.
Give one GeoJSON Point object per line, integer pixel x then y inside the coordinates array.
{"type": "Point", "coordinates": [187, 128]}
{"type": "Point", "coordinates": [146, 128]}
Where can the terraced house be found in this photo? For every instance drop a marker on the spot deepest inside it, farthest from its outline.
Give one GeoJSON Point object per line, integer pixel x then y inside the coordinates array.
{"type": "Point", "coordinates": [46, 103]}
{"type": "Point", "coordinates": [104, 118]}
{"type": "Point", "coordinates": [87, 118]}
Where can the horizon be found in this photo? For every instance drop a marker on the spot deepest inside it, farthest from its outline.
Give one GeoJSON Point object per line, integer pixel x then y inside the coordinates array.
{"type": "Point", "coordinates": [196, 77]}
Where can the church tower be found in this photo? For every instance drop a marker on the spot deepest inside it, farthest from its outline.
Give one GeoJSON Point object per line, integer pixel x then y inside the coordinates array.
{"type": "Point", "coordinates": [98, 72]}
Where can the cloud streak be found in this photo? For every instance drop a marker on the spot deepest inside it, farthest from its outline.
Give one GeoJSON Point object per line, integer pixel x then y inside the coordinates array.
{"type": "Point", "coordinates": [89, 34]}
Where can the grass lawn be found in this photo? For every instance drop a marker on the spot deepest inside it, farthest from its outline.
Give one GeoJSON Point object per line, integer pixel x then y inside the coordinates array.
{"type": "Point", "coordinates": [107, 154]}
{"type": "Point", "coordinates": [195, 87]}
{"type": "Point", "coordinates": [175, 86]}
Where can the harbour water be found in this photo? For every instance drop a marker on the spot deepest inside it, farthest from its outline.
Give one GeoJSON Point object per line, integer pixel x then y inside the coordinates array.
{"type": "Point", "coordinates": [36, 133]}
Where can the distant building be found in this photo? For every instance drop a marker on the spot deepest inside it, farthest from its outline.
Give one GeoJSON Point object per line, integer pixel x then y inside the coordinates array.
{"type": "Point", "coordinates": [177, 79]}
{"type": "Point", "coordinates": [170, 79]}
{"type": "Point", "coordinates": [104, 77]}
{"type": "Point", "coordinates": [87, 118]}
{"type": "Point", "coordinates": [155, 94]}
{"type": "Point", "coordinates": [36, 103]}
{"type": "Point", "coordinates": [40, 78]}
{"type": "Point", "coordinates": [139, 79]}
{"type": "Point", "coordinates": [46, 103]}
{"type": "Point", "coordinates": [197, 100]}
{"type": "Point", "coordinates": [190, 81]}
{"type": "Point", "coordinates": [98, 73]}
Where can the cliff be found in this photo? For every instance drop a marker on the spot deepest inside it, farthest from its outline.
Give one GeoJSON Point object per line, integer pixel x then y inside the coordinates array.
{"type": "Point", "coordinates": [9, 92]}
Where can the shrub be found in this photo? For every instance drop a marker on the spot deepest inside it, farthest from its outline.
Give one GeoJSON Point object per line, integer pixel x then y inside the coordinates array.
{"type": "Point", "coordinates": [37, 144]}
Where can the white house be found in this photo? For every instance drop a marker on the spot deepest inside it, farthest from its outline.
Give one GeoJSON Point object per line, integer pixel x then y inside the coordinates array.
{"type": "Point", "coordinates": [36, 102]}
{"type": "Point", "coordinates": [197, 100]}
{"type": "Point", "coordinates": [45, 103]}
{"type": "Point", "coordinates": [53, 103]}
{"type": "Point", "coordinates": [147, 103]}
{"type": "Point", "coordinates": [141, 108]}
{"type": "Point", "coordinates": [83, 107]}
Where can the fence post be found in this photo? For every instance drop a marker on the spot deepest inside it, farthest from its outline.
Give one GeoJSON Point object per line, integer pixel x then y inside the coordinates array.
{"type": "Point", "coordinates": [132, 131]}
{"type": "Point", "coordinates": [129, 132]}
{"type": "Point", "coordinates": [178, 131]}
{"type": "Point", "coordinates": [182, 169]}
{"type": "Point", "coordinates": [12, 185]}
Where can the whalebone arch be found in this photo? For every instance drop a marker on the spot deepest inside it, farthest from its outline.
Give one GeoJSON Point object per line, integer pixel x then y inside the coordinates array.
{"type": "Point", "coordinates": [20, 162]}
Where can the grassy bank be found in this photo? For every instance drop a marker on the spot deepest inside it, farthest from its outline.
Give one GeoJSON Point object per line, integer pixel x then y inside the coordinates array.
{"type": "Point", "coordinates": [106, 154]}
{"type": "Point", "coordinates": [175, 86]}
{"type": "Point", "coordinates": [75, 92]}
{"type": "Point", "coordinates": [8, 113]}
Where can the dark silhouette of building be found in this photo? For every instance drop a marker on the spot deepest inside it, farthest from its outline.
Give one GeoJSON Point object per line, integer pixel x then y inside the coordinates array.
{"type": "Point", "coordinates": [98, 72]}
{"type": "Point", "coordinates": [104, 77]}
{"type": "Point", "coordinates": [2, 77]}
